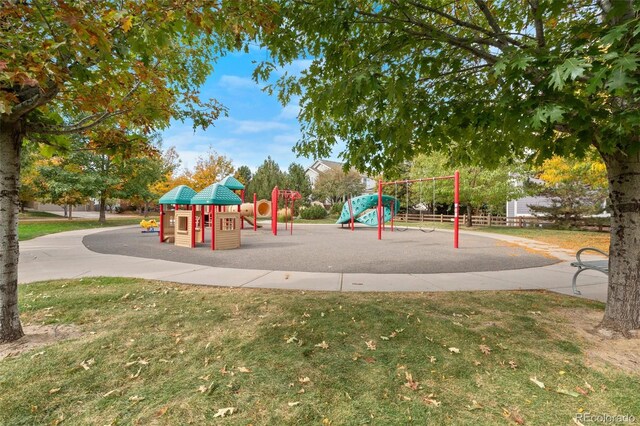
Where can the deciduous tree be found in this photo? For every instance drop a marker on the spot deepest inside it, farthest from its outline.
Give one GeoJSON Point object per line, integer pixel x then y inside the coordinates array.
{"type": "Point", "coordinates": [336, 185]}
{"type": "Point", "coordinates": [66, 67]}
{"type": "Point", "coordinates": [480, 79]}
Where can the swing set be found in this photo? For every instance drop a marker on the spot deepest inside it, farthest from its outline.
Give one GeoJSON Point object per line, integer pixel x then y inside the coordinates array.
{"type": "Point", "coordinates": [421, 206]}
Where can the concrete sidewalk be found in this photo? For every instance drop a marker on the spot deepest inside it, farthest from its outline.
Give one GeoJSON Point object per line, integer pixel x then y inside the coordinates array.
{"type": "Point", "coordinates": [63, 255]}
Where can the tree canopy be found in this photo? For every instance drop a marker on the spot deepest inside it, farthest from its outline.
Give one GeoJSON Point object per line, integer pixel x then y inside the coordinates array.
{"type": "Point", "coordinates": [69, 67]}
{"type": "Point", "coordinates": [479, 80]}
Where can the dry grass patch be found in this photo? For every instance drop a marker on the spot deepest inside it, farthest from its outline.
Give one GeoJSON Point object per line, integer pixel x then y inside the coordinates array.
{"type": "Point", "coordinates": [165, 354]}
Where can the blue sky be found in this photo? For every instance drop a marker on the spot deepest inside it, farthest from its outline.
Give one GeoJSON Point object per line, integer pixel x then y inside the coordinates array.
{"type": "Point", "coordinates": [257, 124]}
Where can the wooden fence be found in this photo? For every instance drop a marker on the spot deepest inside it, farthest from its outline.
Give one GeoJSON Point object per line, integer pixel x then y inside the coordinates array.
{"type": "Point", "coordinates": [490, 220]}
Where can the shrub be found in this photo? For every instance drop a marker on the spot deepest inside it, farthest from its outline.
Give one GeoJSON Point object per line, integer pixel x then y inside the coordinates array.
{"type": "Point", "coordinates": [336, 209]}
{"type": "Point", "coordinates": [282, 217]}
{"type": "Point", "coordinates": [313, 212]}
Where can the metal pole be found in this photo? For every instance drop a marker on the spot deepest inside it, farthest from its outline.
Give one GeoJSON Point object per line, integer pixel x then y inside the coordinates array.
{"type": "Point", "coordinates": [456, 206]}
{"type": "Point", "coordinates": [161, 231]}
{"type": "Point", "coordinates": [255, 212]}
{"type": "Point", "coordinates": [380, 209]}
{"type": "Point", "coordinates": [202, 227]}
{"type": "Point", "coordinates": [212, 215]}
{"type": "Point", "coordinates": [193, 226]}
{"type": "Point", "coordinates": [274, 211]}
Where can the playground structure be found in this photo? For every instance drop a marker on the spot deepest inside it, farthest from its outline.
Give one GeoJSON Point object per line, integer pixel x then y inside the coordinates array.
{"type": "Point", "coordinates": [456, 203]}
{"type": "Point", "coordinates": [179, 196]}
{"type": "Point", "coordinates": [150, 226]}
{"type": "Point", "coordinates": [362, 209]}
{"type": "Point", "coordinates": [289, 197]}
{"type": "Point", "coordinates": [185, 214]}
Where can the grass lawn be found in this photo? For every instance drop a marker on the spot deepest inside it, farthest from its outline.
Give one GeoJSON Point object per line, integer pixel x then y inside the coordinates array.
{"type": "Point", "coordinates": [572, 240]}
{"type": "Point", "coordinates": [157, 353]}
{"type": "Point", "coordinates": [33, 229]}
{"type": "Point", "coordinates": [38, 215]}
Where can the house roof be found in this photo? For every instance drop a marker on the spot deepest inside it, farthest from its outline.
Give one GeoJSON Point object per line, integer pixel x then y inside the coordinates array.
{"type": "Point", "coordinates": [317, 166]}
{"type": "Point", "coordinates": [179, 195]}
{"type": "Point", "coordinates": [216, 194]}
{"type": "Point", "coordinates": [232, 183]}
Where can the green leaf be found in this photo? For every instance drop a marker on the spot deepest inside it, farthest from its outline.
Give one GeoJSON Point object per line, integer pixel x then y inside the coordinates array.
{"type": "Point", "coordinates": [555, 80]}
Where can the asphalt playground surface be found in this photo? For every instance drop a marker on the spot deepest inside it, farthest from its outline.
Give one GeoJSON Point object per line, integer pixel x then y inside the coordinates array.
{"type": "Point", "coordinates": [329, 248]}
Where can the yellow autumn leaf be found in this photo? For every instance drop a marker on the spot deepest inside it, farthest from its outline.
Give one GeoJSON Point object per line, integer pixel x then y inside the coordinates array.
{"type": "Point", "coordinates": [126, 24]}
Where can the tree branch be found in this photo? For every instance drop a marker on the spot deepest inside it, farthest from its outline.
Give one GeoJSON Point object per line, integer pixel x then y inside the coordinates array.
{"type": "Point", "coordinates": [537, 19]}
{"type": "Point", "coordinates": [41, 97]}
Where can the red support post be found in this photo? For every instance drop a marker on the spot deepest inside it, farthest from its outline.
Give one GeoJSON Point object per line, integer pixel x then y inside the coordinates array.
{"type": "Point", "coordinates": [255, 212]}
{"type": "Point", "coordinates": [193, 226]}
{"type": "Point", "coordinates": [293, 205]}
{"type": "Point", "coordinates": [456, 207]}
{"type": "Point", "coordinates": [212, 216]}
{"type": "Point", "coordinates": [274, 211]}
{"type": "Point", "coordinates": [380, 209]}
{"type": "Point", "coordinates": [161, 231]}
{"type": "Point", "coordinates": [351, 218]}
{"type": "Point", "coordinates": [202, 227]}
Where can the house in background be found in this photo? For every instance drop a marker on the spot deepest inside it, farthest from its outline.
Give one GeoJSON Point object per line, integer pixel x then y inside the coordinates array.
{"type": "Point", "coordinates": [319, 167]}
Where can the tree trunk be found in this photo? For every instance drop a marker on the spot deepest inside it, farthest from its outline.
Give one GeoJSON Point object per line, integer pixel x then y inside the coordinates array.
{"type": "Point", "coordinates": [623, 299]}
{"type": "Point", "coordinates": [103, 209]}
{"type": "Point", "coordinates": [66, 213]}
{"type": "Point", "coordinates": [70, 209]}
{"type": "Point", "coordinates": [469, 215]}
{"type": "Point", "coordinates": [10, 143]}
{"type": "Point", "coordinates": [146, 208]}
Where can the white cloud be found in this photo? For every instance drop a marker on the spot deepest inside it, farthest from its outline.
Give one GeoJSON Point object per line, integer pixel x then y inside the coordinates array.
{"type": "Point", "coordinates": [287, 139]}
{"type": "Point", "coordinates": [243, 127]}
{"type": "Point", "coordinates": [290, 111]}
{"type": "Point", "coordinates": [237, 82]}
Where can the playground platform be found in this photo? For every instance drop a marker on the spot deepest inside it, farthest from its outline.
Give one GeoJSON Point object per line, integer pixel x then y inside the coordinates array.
{"type": "Point", "coordinates": [532, 265]}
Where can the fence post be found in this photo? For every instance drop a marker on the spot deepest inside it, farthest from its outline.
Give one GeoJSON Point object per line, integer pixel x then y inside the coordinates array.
{"type": "Point", "coordinates": [520, 222]}
{"type": "Point", "coordinates": [489, 220]}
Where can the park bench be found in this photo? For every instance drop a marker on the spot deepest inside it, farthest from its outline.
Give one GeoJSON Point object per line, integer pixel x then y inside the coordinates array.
{"type": "Point", "coordinates": [583, 265]}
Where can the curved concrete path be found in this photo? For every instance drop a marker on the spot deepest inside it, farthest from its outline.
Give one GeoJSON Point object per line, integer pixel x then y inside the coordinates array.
{"type": "Point", "coordinates": [63, 255]}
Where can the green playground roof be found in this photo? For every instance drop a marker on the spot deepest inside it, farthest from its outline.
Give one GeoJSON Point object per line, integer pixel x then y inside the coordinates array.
{"type": "Point", "coordinates": [216, 194]}
{"type": "Point", "coordinates": [179, 195]}
{"type": "Point", "coordinates": [232, 183]}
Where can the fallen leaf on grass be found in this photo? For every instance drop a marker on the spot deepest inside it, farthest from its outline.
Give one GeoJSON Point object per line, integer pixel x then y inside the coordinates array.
{"type": "Point", "coordinates": [293, 404]}
{"type": "Point", "coordinates": [162, 411]}
{"type": "Point", "coordinates": [87, 364]}
{"type": "Point", "coordinates": [384, 338]}
{"type": "Point", "coordinates": [582, 391]}
{"type": "Point", "coordinates": [513, 365]}
{"type": "Point", "coordinates": [474, 406]}
{"type": "Point", "coordinates": [225, 412]}
{"type": "Point", "coordinates": [513, 415]}
{"type": "Point", "coordinates": [304, 380]}
{"type": "Point", "coordinates": [244, 370]}
{"type": "Point", "coordinates": [292, 339]}
{"type": "Point", "coordinates": [430, 400]}
{"type": "Point", "coordinates": [323, 345]}
{"type": "Point", "coordinates": [454, 350]}
{"type": "Point", "coordinates": [432, 359]}
{"type": "Point", "coordinates": [136, 398]}
{"type": "Point", "coordinates": [588, 386]}
{"type": "Point", "coordinates": [54, 390]}
{"type": "Point", "coordinates": [485, 349]}
{"type": "Point", "coordinates": [202, 388]}
{"type": "Point", "coordinates": [111, 392]}
{"type": "Point", "coordinates": [371, 345]}
{"type": "Point", "coordinates": [537, 382]}
{"type": "Point", "coordinates": [567, 392]}
{"type": "Point", "coordinates": [411, 384]}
